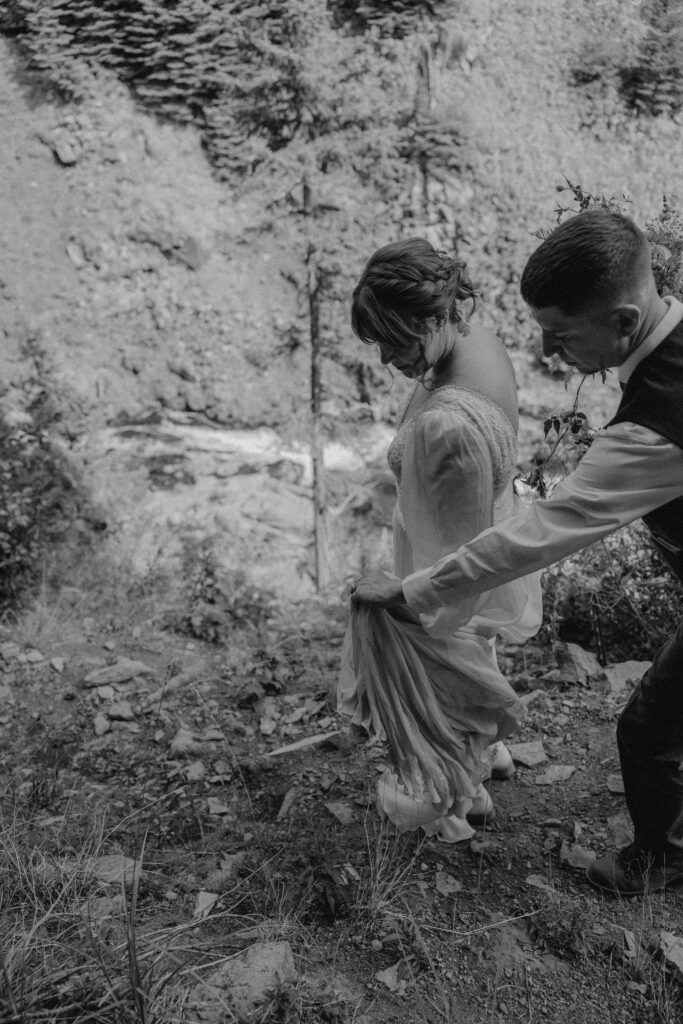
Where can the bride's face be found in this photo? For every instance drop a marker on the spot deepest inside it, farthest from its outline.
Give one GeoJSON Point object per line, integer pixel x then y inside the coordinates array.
{"type": "Point", "coordinates": [413, 361]}
{"type": "Point", "coordinates": [410, 361]}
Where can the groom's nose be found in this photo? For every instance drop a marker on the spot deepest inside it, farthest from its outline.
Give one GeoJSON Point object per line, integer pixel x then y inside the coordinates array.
{"type": "Point", "coordinates": [551, 346]}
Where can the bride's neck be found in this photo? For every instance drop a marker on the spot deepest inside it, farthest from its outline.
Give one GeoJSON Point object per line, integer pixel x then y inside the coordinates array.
{"type": "Point", "coordinates": [446, 369]}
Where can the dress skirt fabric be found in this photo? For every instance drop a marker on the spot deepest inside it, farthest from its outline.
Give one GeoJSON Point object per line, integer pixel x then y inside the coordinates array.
{"type": "Point", "coordinates": [431, 687]}
{"type": "Point", "coordinates": [440, 703]}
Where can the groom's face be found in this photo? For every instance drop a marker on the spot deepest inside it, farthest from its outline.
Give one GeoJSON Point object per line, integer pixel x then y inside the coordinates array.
{"type": "Point", "coordinates": [594, 340]}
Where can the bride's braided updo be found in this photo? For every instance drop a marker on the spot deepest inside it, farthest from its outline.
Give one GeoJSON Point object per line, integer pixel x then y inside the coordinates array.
{"type": "Point", "coordinates": [407, 290]}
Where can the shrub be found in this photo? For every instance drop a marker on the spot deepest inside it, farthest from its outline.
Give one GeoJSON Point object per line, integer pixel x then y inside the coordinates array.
{"type": "Point", "coordinates": [38, 499]}
{"type": "Point", "coordinates": [617, 598]}
{"type": "Point", "coordinates": [216, 602]}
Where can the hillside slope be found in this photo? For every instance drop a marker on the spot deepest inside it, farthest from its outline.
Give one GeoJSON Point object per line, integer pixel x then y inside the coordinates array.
{"type": "Point", "coordinates": [151, 284]}
{"type": "Point", "coordinates": [137, 285]}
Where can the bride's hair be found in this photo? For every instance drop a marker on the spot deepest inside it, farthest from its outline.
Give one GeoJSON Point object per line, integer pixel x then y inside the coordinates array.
{"type": "Point", "coordinates": [407, 290]}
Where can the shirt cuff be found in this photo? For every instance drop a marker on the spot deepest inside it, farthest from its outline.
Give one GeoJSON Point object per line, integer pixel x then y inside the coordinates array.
{"type": "Point", "coordinates": [420, 594]}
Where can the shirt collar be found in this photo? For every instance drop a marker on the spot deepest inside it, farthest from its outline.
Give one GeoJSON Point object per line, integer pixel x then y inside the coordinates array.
{"type": "Point", "coordinates": [673, 316]}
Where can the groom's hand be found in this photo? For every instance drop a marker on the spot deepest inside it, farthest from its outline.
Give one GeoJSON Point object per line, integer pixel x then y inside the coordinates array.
{"type": "Point", "coordinates": [378, 588]}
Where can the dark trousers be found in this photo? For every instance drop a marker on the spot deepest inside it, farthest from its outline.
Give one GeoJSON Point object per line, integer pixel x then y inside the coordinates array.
{"type": "Point", "coordinates": [650, 738]}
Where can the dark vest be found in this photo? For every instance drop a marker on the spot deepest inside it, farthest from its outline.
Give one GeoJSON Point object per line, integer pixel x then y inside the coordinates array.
{"type": "Point", "coordinates": [653, 397]}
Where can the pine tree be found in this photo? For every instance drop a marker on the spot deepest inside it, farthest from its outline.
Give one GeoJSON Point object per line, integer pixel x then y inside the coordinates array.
{"type": "Point", "coordinates": [654, 85]}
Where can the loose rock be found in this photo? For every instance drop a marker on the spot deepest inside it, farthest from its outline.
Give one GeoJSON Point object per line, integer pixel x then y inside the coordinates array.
{"type": "Point", "coordinates": [615, 783]}
{"type": "Point", "coordinates": [394, 977]}
{"type": "Point", "coordinates": [671, 948]}
{"type": "Point", "coordinates": [528, 754]}
{"type": "Point", "coordinates": [114, 867]}
{"type": "Point", "coordinates": [575, 856]}
{"type": "Point", "coordinates": [121, 672]}
{"type": "Point", "coordinates": [183, 742]}
{"type": "Point", "coordinates": [555, 773]}
{"type": "Point", "coordinates": [615, 678]}
{"type": "Point", "coordinates": [195, 772]}
{"type": "Point", "coordinates": [244, 982]}
{"type": "Point", "coordinates": [217, 806]}
{"type": "Point", "coordinates": [121, 712]}
{"type": "Point", "coordinates": [341, 811]}
{"type": "Point", "coordinates": [446, 884]}
{"type": "Point", "coordinates": [205, 903]}
{"type": "Point", "coordinates": [101, 724]}
{"type": "Point", "coordinates": [577, 665]}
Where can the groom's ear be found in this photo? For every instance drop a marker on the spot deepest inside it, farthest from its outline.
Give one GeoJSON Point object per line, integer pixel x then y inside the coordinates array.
{"type": "Point", "coordinates": [628, 319]}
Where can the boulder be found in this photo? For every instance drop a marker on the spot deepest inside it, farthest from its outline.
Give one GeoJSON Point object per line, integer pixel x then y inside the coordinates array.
{"type": "Point", "coordinates": [245, 982]}
{"type": "Point", "coordinates": [622, 676]}
{"type": "Point", "coordinates": [577, 665]}
{"type": "Point", "coordinates": [671, 948]}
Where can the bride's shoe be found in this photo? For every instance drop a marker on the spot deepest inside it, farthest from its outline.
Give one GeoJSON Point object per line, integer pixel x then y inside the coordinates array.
{"type": "Point", "coordinates": [450, 829]}
{"type": "Point", "coordinates": [482, 812]}
{"type": "Point", "coordinates": [501, 764]}
{"type": "Point", "coordinates": [403, 810]}
{"type": "Point", "coordinates": [408, 814]}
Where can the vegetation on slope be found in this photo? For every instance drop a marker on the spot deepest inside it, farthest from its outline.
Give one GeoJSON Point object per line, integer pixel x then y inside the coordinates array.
{"type": "Point", "coordinates": [361, 121]}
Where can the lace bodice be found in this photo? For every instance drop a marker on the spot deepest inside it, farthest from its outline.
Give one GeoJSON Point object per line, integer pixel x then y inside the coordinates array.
{"type": "Point", "coordinates": [479, 412]}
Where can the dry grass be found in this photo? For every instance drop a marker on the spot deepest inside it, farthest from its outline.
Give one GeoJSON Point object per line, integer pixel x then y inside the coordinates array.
{"type": "Point", "coordinates": [355, 900]}
{"type": "Point", "coordinates": [70, 946]}
{"type": "Point", "coordinates": [389, 882]}
{"type": "Point", "coordinates": [76, 949]}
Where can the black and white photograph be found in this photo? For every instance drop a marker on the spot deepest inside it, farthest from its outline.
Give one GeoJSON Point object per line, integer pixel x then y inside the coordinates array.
{"type": "Point", "coordinates": [341, 511]}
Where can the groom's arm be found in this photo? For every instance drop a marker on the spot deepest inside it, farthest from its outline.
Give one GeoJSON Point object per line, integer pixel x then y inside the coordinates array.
{"type": "Point", "coordinates": [628, 471]}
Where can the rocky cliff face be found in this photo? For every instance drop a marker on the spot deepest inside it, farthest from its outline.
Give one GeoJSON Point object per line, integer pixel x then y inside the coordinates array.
{"type": "Point", "coordinates": [128, 283]}
{"type": "Point", "coordinates": [132, 295]}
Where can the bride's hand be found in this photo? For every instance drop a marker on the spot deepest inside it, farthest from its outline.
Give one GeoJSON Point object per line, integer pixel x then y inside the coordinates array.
{"type": "Point", "coordinates": [378, 588]}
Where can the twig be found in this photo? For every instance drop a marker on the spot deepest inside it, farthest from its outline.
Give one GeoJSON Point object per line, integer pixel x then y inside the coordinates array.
{"type": "Point", "coordinates": [484, 928]}
{"type": "Point", "coordinates": [134, 973]}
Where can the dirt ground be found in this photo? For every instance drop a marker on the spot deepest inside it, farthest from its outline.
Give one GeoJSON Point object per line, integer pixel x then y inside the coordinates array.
{"type": "Point", "coordinates": [179, 767]}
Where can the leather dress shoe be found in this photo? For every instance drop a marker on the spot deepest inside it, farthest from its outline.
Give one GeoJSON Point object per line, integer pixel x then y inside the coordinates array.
{"type": "Point", "coordinates": [633, 872]}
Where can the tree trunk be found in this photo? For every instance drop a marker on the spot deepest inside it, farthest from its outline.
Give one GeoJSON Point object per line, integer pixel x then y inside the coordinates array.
{"type": "Point", "coordinates": [319, 522]}
{"type": "Point", "coordinates": [423, 114]}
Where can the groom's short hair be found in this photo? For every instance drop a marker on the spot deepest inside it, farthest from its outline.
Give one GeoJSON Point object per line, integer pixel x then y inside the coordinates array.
{"type": "Point", "coordinates": [598, 256]}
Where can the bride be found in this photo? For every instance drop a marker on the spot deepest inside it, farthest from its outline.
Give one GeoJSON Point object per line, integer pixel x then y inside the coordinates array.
{"type": "Point", "coordinates": [432, 691]}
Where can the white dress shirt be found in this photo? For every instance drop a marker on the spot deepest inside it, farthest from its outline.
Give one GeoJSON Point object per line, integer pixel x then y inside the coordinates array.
{"type": "Point", "coordinates": [628, 471]}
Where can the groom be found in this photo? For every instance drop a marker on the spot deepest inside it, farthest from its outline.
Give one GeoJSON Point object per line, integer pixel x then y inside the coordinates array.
{"type": "Point", "coordinates": [592, 292]}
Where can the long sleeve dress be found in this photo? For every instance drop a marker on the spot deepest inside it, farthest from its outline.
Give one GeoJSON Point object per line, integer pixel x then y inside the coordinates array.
{"type": "Point", "coordinates": [433, 692]}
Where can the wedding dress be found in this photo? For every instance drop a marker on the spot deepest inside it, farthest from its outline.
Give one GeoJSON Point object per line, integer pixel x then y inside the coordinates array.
{"type": "Point", "coordinates": [431, 686]}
